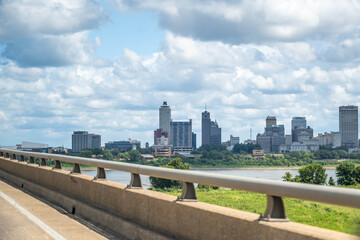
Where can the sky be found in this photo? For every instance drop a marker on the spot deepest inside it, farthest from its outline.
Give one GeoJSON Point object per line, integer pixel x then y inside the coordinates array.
{"type": "Point", "coordinates": [106, 66]}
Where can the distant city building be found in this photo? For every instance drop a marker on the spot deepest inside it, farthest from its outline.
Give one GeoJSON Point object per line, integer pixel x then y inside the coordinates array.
{"type": "Point", "coordinates": [210, 131]}
{"type": "Point", "coordinates": [165, 118]}
{"type": "Point", "coordinates": [161, 137]}
{"type": "Point", "coordinates": [249, 141]}
{"type": "Point", "coordinates": [122, 146]}
{"type": "Point", "coordinates": [348, 126]}
{"type": "Point", "coordinates": [205, 127]}
{"type": "Point", "coordinates": [147, 157]}
{"type": "Point", "coordinates": [194, 140]}
{"type": "Point", "coordinates": [273, 136]}
{"type": "Point", "coordinates": [32, 147]}
{"type": "Point", "coordinates": [181, 135]}
{"type": "Point", "coordinates": [332, 139]}
{"type": "Point", "coordinates": [234, 140]}
{"type": "Point", "coordinates": [258, 153]}
{"type": "Point", "coordinates": [162, 151]}
{"type": "Point", "coordinates": [270, 120]}
{"type": "Point", "coordinates": [84, 140]}
{"type": "Point", "coordinates": [147, 145]}
{"type": "Point", "coordinates": [301, 138]}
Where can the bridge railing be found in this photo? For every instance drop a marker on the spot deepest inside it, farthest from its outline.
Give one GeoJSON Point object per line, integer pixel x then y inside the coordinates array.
{"type": "Point", "coordinates": [275, 190]}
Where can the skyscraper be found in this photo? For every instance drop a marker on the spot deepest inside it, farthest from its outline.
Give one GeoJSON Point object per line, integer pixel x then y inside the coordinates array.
{"type": "Point", "coordinates": [165, 117]}
{"type": "Point", "coordinates": [205, 127]}
{"type": "Point", "coordinates": [298, 122]}
{"type": "Point", "coordinates": [181, 135]}
{"type": "Point", "coordinates": [210, 131]}
{"type": "Point", "coordinates": [348, 126]}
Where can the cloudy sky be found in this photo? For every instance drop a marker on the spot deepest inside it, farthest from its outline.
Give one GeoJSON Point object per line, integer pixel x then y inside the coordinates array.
{"type": "Point", "coordinates": [106, 66]}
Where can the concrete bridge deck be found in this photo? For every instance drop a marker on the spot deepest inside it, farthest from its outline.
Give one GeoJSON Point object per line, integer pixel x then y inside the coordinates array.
{"type": "Point", "coordinates": [23, 216]}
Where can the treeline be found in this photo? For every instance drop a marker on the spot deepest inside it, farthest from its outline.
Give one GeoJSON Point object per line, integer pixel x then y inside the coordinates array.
{"type": "Point", "coordinates": [346, 172]}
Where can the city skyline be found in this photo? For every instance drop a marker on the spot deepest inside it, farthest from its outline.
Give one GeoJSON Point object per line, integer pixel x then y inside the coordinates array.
{"type": "Point", "coordinates": [104, 66]}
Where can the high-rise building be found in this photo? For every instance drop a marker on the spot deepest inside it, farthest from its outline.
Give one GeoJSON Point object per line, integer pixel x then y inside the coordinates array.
{"type": "Point", "coordinates": [297, 125]}
{"type": "Point", "coordinates": [205, 127]}
{"type": "Point", "coordinates": [194, 140]}
{"type": "Point", "coordinates": [273, 136]}
{"type": "Point", "coordinates": [123, 145]}
{"type": "Point", "coordinates": [270, 120]}
{"type": "Point", "coordinates": [348, 126]}
{"type": "Point", "coordinates": [181, 135]}
{"type": "Point", "coordinates": [210, 131]}
{"type": "Point", "coordinates": [83, 140]}
{"type": "Point", "coordinates": [165, 117]}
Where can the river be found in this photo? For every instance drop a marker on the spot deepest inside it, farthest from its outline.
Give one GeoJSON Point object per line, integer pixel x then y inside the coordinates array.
{"type": "Point", "coordinates": [272, 174]}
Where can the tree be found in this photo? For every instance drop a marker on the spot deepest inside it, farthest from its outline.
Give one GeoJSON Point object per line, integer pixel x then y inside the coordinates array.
{"type": "Point", "coordinates": [86, 153]}
{"type": "Point", "coordinates": [345, 173]}
{"type": "Point", "coordinates": [313, 173]}
{"type": "Point", "coordinates": [288, 177]}
{"type": "Point", "coordinates": [331, 181]}
{"type": "Point", "coordinates": [108, 155]}
{"type": "Point", "coordinates": [164, 183]}
{"type": "Point", "coordinates": [97, 151]}
{"type": "Point", "coordinates": [357, 174]}
{"type": "Point", "coordinates": [134, 155]}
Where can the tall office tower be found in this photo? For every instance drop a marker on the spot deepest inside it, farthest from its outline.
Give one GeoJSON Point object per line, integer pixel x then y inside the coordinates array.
{"type": "Point", "coordinates": [194, 140]}
{"type": "Point", "coordinates": [181, 135]}
{"type": "Point", "coordinates": [165, 118]}
{"type": "Point", "coordinates": [205, 127]}
{"type": "Point", "coordinates": [270, 120]}
{"type": "Point", "coordinates": [298, 123]}
{"type": "Point", "coordinates": [215, 134]}
{"type": "Point", "coordinates": [348, 126]}
{"type": "Point", "coordinates": [83, 140]}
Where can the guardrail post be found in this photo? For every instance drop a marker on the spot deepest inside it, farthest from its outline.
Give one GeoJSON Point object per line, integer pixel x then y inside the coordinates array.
{"type": "Point", "coordinates": [275, 210]}
{"type": "Point", "coordinates": [42, 162]}
{"type": "Point", "coordinates": [7, 155]}
{"type": "Point", "coordinates": [13, 156]}
{"type": "Point", "coordinates": [101, 175]}
{"type": "Point", "coordinates": [22, 159]}
{"type": "Point", "coordinates": [135, 181]}
{"type": "Point", "coordinates": [188, 193]}
{"type": "Point", "coordinates": [76, 169]}
{"type": "Point", "coordinates": [31, 160]}
{"type": "Point", "coordinates": [57, 164]}
{"type": "Point", "coordinates": [1, 154]}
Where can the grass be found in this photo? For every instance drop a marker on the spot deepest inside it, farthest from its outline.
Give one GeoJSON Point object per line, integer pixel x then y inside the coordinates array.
{"type": "Point", "coordinates": [341, 219]}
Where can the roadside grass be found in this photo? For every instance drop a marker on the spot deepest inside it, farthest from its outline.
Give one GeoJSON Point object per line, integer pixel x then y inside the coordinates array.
{"type": "Point", "coordinates": [341, 219]}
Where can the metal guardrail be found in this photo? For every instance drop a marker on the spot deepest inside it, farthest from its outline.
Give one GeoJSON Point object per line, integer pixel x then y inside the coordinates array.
{"type": "Point", "coordinates": [275, 190]}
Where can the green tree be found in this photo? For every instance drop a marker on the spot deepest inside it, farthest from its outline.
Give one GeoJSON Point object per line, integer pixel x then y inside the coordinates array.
{"type": "Point", "coordinates": [134, 155]}
{"type": "Point", "coordinates": [85, 153]}
{"type": "Point", "coordinates": [313, 173]}
{"type": "Point", "coordinates": [345, 173]}
{"type": "Point", "coordinates": [108, 155]}
{"type": "Point", "coordinates": [97, 151]}
{"type": "Point", "coordinates": [331, 181]}
{"type": "Point", "coordinates": [357, 174]}
{"type": "Point", "coordinates": [165, 183]}
{"type": "Point", "coordinates": [288, 177]}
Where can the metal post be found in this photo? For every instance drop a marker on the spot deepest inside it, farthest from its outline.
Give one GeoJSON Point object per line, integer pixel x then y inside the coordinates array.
{"type": "Point", "coordinates": [31, 160]}
{"type": "Point", "coordinates": [1, 154]}
{"type": "Point", "coordinates": [188, 193]}
{"type": "Point", "coordinates": [275, 210]}
{"type": "Point", "coordinates": [22, 159]}
{"type": "Point", "coordinates": [101, 175]}
{"type": "Point", "coordinates": [42, 162]}
{"type": "Point", "coordinates": [57, 164]}
{"type": "Point", "coordinates": [135, 181]}
{"type": "Point", "coordinates": [13, 157]}
{"type": "Point", "coordinates": [76, 169]}
{"type": "Point", "coordinates": [7, 155]}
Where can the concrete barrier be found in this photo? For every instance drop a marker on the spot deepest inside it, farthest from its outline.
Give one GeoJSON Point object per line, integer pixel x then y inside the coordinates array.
{"type": "Point", "coordinates": [144, 214]}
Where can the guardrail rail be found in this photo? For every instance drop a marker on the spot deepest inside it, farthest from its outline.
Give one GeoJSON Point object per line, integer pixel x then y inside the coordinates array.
{"type": "Point", "coordinates": [275, 190]}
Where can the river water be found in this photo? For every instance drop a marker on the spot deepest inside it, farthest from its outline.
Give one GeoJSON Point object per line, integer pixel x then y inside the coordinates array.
{"type": "Point", "coordinates": [272, 174]}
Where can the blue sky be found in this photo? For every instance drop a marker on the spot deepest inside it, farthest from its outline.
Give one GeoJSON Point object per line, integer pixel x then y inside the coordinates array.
{"type": "Point", "coordinates": [106, 66]}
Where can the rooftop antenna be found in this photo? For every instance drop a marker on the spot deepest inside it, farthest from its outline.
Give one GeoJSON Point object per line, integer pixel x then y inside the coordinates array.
{"type": "Point", "coordinates": [250, 133]}
{"type": "Point", "coordinates": [205, 107]}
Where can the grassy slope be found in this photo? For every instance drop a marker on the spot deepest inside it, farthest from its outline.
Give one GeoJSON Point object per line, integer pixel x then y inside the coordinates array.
{"type": "Point", "coordinates": [327, 216]}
